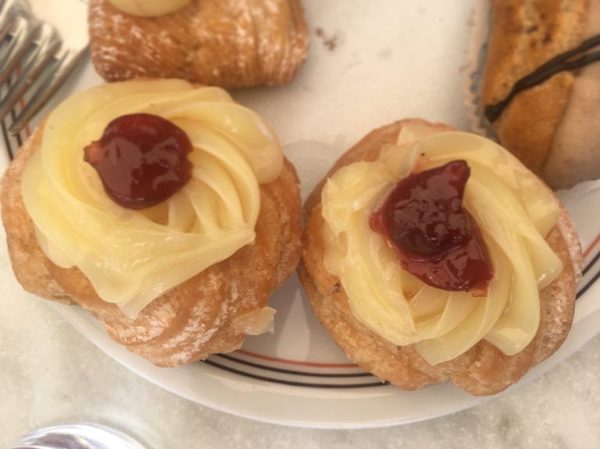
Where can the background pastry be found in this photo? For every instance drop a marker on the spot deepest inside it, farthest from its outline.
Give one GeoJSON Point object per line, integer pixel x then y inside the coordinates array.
{"type": "Point", "coordinates": [541, 86]}
{"type": "Point", "coordinates": [215, 42]}
{"type": "Point", "coordinates": [182, 277]}
{"type": "Point", "coordinates": [413, 327]}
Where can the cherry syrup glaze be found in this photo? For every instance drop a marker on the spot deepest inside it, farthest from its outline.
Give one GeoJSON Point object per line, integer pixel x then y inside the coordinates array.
{"type": "Point", "coordinates": [142, 160]}
{"type": "Point", "coordinates": [436, 239]}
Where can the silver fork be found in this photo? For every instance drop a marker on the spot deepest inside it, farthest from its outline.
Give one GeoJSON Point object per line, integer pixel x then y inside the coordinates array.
{"type": "Point", "coordinates": [34, 63]}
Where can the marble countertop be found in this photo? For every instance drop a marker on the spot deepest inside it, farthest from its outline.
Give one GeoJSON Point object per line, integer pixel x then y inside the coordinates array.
{"type": "Point", "coordinates": [41, 383]}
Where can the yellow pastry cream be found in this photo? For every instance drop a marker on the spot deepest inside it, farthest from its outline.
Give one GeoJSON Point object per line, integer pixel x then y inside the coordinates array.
{"type": "Point", "coordinates": [514, 212]}
{"type": "Point", "coordinates": [133, 256]}
{"type": "Point", "coordinates": [148, 8]}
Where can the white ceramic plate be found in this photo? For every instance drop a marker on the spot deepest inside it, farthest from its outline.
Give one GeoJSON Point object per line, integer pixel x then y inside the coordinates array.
{"type": "Point", "coordinates": [390, 60]}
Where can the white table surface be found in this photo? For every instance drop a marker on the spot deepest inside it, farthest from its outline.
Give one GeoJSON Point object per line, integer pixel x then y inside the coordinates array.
{"type": "Point", "coordinates": [49, 373]}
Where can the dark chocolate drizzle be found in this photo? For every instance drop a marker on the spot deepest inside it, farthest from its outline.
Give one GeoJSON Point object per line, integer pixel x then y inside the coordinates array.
{"type": "Point", "coordinates": [569, 60]}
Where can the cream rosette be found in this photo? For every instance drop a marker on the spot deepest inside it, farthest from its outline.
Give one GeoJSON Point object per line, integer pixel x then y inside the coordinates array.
{"type": "Point", "coordinates": [132, 257]}
{"type": "Point", "coordinates": [148, 8]}
{"type": "Point", "coordinates": [514, 211]}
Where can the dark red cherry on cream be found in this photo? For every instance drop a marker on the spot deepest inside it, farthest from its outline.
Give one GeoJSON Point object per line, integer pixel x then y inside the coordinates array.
{"type": "Point", "coordinates": [142, 160]}
{"type": "Point", "coordinates": [436, 239]}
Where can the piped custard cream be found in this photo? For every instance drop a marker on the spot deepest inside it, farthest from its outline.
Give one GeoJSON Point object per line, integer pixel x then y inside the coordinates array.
{"type": "Point", "coordinates": [514, 212]}
{"type": "Point", "coordinates": [133, 256]}
{"type": "Point", "coordinates": [149, 8]}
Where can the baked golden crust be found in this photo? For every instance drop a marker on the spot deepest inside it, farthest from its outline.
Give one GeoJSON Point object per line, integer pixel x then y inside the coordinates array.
{"type": "Point", "coordinates": [483, 370]}
{"type": "Point", "coordinates": [224, 43]}
{"type": "Point", "coordinates": [202, 316]}
{"type": "Point", "coordinates": [524, 35]}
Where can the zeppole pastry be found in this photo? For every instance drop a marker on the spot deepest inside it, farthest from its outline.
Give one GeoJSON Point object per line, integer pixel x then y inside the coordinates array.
{"type": "Point", "coordinates": [165, 209]}
{"type": "Point", "coordinates": [224, 43]}
{"type": "Point", "coordinates": [434, 255]}
{"type": "Point", "coordinates": [541, 86]}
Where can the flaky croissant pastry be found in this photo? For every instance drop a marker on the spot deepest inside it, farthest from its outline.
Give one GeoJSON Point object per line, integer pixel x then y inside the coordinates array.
{"type": "Point", "coordinates": [413, 326]}
{"type": "Point", "coordinates": [224, 43]}
{"type": "Point", "coordinates": [176, 281]}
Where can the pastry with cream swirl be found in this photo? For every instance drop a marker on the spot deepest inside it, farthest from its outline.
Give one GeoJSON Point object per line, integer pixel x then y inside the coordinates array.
{"type": "Point", "coordinates": [185, 278]}
{"type": "Point", "coordinates": [227, 43]}
{"type": "Point", "coordinates": [406, 331]}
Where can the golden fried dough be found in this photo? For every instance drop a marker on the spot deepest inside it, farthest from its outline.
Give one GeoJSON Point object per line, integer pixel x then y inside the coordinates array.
{"type": "Point", "coordinates": [224, 43]}
{"type": "Point", "coordinates": [482, 370]}
{"type": "Point", "coordinates": [210, 313]}
{"type": "Point", "coordinates": [551, 125]}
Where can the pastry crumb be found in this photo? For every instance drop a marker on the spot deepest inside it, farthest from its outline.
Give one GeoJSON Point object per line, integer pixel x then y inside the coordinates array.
{"type": "Point", "coordinates": [330, 42]}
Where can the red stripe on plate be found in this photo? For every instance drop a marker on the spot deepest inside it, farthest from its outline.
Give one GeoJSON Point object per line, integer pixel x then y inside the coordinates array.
{"type": "Point", "coordinates": [591, 246]}
{"type": "Point", "coordinates": [26, 128]}
{"type": "Point", "coordinates": [296, 362]}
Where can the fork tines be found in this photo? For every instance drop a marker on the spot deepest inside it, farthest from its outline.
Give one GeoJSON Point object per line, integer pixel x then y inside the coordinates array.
{"type": "Point", "coordinates": [33, 62]}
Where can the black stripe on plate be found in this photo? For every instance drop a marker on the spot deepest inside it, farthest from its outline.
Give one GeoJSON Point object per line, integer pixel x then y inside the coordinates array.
{"type": "Point", "coordinates": [591, 264]}
{"type": "Point", "coordinates": [289, 371]}
{"type": "Point", "coordinates": [18, 135]}
{"type": "Point", "coordinates": [293, 383]}
{"type": "Point", "coordinates": [586, 287]}
{"type": "Point", "coordinates": [6, 139]}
